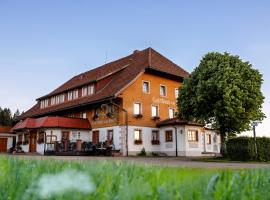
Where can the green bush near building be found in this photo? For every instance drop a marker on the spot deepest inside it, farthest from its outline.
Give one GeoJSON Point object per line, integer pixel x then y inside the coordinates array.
{"type": "Point", "coordinates": [243, 149]}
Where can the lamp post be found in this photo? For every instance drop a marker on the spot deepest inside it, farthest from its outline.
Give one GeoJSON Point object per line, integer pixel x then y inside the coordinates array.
{"type": "Point", "coordinates": [254, 124]}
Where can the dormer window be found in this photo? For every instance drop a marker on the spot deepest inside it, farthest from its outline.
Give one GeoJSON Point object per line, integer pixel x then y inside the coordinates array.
{"type": "Point", "coordinates": [70, 95]}
{"type": "Point", "coordinates": [44, 103]}
{"type": "Point", "coordinates": [88, 90]}
{"type": "Point", "coordinates": [91, 89]}
{"type": "Point", "coordinates": [52, 101]}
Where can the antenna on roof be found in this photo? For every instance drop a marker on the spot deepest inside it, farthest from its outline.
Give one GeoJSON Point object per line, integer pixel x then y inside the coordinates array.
{"type": "Point", "coordinates": [106, 57]}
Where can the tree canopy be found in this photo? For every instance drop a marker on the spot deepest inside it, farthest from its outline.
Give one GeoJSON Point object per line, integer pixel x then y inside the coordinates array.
{"type": "Point", "coordinates": [223, 91]}
{"type": "Point", "coordinates": [6, 117]}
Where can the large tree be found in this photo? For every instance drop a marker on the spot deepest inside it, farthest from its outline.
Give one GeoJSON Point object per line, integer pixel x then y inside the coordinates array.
{"type": "Point", "coordinates": [224, 92]}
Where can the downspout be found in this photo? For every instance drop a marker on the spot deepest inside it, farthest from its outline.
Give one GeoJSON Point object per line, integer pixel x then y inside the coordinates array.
{"type": "Point", "coordinates": [176, 147]}
{"type": "Point", "coordinates": [126, 122]}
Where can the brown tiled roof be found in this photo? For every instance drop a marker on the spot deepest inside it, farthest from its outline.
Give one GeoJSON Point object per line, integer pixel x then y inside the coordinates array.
{"type": "Point", "coordinates": [122, 72]}
{"type": "Point", "coordinates": [5, 129]}
{"type": "Point", "coordinates": [176, 121]}
{"type": "Point", "coordinates": [52, 122]}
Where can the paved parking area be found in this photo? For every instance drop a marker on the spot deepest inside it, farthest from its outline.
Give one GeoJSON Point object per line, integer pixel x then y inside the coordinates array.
{"type": "Point", "coordinates": [154, 161]}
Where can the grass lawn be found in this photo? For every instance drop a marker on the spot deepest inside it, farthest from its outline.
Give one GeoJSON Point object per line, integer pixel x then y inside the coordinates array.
{"type": "Point", "coordinates": [50, 179]}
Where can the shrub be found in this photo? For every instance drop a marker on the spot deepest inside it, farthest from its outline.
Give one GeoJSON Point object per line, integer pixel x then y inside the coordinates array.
{"type": "Point", "coordinates": [243, 148]}
{"type": "Point", "coordinates": [142, 153]}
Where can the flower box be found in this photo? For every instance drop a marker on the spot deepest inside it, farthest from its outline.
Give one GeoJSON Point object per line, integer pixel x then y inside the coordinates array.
{"type": "Point", "coordinates": [137, 141]}
{"type": "Point", "coordinates": [138, 116]}
{"type": "Point", "coordinates": [155, 142]}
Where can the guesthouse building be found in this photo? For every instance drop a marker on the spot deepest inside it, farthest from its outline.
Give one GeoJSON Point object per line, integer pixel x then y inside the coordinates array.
{"type": "Point", "coordinates": [129, 104]}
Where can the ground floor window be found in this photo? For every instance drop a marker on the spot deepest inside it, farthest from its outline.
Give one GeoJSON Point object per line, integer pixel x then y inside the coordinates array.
{"type": "Point", "coordinates": [26, 139]}
{"type": "Point", "coordinates": [208, 138]}
{"type": "Point", "coordinates": [20, 139]}
{"type": "Point", "coordinates": [155, 137]}
{"type": "Point", "coordinates": [168, 136]}
{"type": "Point", "coordinates": [138, 136]}
{"type": "Point", "coordinates": [41, 137]}
{"type": "Point", "coordinates": [110, 136]}
{"type": "Point", "coordinates": [193, 136]}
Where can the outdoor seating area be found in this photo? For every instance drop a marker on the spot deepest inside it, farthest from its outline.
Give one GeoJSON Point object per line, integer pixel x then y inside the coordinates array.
{"type": "Point", "coordinates": [79, 148]}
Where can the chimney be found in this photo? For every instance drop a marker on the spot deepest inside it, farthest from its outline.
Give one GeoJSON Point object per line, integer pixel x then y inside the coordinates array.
{"type": "Point", "coordinates": [136, 51]}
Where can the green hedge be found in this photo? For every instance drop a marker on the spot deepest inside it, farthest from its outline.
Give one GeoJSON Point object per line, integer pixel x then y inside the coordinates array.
{"type": "Point", "coordinates": [243, 148]}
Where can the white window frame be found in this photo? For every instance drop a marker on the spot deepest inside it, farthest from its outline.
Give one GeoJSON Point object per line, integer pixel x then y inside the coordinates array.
{"type": "Point", "coordinates": [172, 113]}
{"type": "Point", "coordinates": [165, 90]}
{"type": "Point", "coordinates": [157, 111]}
{"type": "Point", "coordinates": [176, 92]}
{"type": "Point", "coordinates": [90, 89]}
{"type": "Point", "coordinates": [52, 100]}
{"type": "Point", "coordinates": [140, 108]}
{"type": "Point", "coordinates": [84, 91]}
{"type": "Point", "coordinates": [70, 95]}
{"type": "Point", "coordinates": [75, 94]}
{"type": "Point", "coordinates": [148, 82]}
{"type": "Point", "coordinates": [140, 134]}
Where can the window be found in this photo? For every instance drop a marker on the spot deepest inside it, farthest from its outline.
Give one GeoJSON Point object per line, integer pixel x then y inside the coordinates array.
{"type": "Point", "coordinates": [193, 136]}
{"type": "Point", "coordinates": [146, 88]}
{"type": "Point", "coordinates": [171, 113]}
{"type": "Point", "coordinates": [91, 89]}
{"type": "Point", "coordinates": [62, 98]}
{"type": "Point", "coordinates": [70, 95]}
{"type": "Point", "coordinates": [75, 94]}
{"type": "Point", "coordinates": [41, 104]}
{"type": "Point", "coordinates": [84, 116]}
{"type": "Point", "coordinates": [110, 136]}
{"type": "Point", "coordinates": [208, 138]}
{"type": "Point", "coordinates": [41, 137]}
{"type": "Point", "coordinates": [20, 139]}
{"type": "Point", "coordinates": [84, 91]}
{"type": "Point", "coordinates": [176, 92]}
{"type": "Point", "coordinates": [154, 111]}
{"type": "Point", "coordinates": [155, 137]}
{"type": "Point", "coordinates": [162, 90]}
{"type": "Point", "coordinates": [52, 100]}
{"type": "Point", "coordinates": [137, 136]}
{"type": "Point", "coordinates": [168, 136]}
{"type": "Point", "coordinates": [26, 138]}
{"type": "Point", "coordinates": [137, 108]}
{"type": "Point", "coordinates": [46, 102]}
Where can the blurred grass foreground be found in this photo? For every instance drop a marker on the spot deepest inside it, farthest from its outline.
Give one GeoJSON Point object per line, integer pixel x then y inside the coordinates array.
{"type": "Point", "coordinates": [50, 179]}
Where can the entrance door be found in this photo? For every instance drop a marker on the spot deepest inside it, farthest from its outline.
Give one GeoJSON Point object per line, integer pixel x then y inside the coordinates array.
{"type": "Point", "coordinates": [33, 142]}
{"type": "Point", "coordinates": [95, 137]}
{"type": "Point", "coordinates": [3, 144]}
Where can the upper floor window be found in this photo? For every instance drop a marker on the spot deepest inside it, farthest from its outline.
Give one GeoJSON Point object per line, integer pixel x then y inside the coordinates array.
{"type": "Point", "coordinates": [169, 136]}
{"type": "Point", "coordinates": [88, 90]}
{"type": "Point", "coordinates": [91, 89]}
{"type": "Point", "coordinates": [52, 100]}
{"type": "Point", "coordinates": [84, 116]}
{"type": "Point", "coordinates": [146, 87]}
{"type": "Point", "coordinates": [137, 108]}
{"type": "Point", "coordinates": [60, 98]}
{"type": "Point", "coordinates": [75, 94]}
{"type": "Point", "coordinates": [44, 103]}
{"type": "Point", "coordinates": [154, 111]}
{"type": "Point", "coordinates": [176, 92]}
{"type": "Point", "coordinates": [171, 113]}
{"type": "Point", "coordinates": [193, 136]}
{"type": "Point", "coordinates": [163, 91]}
{"type": "Point", "coordinates": [70, 95]}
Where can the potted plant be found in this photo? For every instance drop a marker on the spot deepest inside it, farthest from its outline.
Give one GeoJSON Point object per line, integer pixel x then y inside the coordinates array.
{"type": "Point", "coordinates": [137, 141]}
{"type": "Point", "coordinates": [138, 116]}
{"type": "Point", "coordinates": [156, 118]}
{"type": "Point", "coordinates": [155, 142]}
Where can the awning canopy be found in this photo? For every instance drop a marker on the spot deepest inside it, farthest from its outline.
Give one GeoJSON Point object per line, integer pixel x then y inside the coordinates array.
{"type": "Point", "coordinates": [52, 122]}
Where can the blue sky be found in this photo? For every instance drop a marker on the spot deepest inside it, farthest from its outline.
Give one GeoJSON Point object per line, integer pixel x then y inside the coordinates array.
{"type": "Point", "coordinates": [44, 43]}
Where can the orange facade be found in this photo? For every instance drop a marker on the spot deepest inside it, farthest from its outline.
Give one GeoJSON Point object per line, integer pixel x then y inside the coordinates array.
{"type": "Point", "coordinates": [134, 94]}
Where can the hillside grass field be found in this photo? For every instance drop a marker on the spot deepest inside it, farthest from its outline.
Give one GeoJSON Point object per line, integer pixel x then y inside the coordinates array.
{"type": "Point", "coordinates": [51, 179]}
